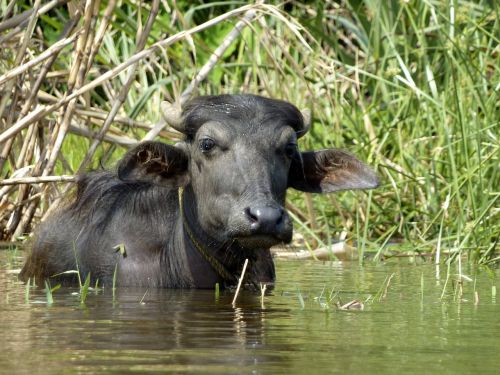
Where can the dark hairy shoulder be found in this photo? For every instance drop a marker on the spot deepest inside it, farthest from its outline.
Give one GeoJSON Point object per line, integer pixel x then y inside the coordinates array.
{"type": "Point", "coordinates": [101, 195]}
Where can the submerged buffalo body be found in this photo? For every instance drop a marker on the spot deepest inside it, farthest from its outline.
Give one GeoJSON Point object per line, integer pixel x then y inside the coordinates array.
{"type": "Point", "coordinates": [189, 215]}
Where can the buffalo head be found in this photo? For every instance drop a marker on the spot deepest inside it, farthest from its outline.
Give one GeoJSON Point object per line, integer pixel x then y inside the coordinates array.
{"type": "Point", "coordinates": [237, 160]}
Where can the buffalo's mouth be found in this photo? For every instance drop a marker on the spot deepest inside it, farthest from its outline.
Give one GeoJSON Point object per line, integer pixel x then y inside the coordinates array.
{"type": "Point", "coordinates": [259, 241]}
{"type": "Point", "coordinates": [263, 240]}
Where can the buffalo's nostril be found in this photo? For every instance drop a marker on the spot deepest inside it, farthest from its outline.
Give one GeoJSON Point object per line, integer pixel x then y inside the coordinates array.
{"type": "Point", "coordinates": [264, 219]}
{"type": "Point", "coordinates": [250, 215]}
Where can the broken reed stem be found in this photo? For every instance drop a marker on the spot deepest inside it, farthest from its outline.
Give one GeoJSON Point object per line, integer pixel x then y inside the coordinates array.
{"type": "Point", "coordinates": [18, 220]}
{"type": "Point", "coordinates": [20, 56]}
{"type": "Point", "coordinates": [205, 69]}
{"type": "Point", "coordinates": [217, 54]}
{"type": "Point", "coordinates": [75, 81]}
{"type": "Point", "coordinates": [49, 52]}
{"type": "Point", "coordinates": [122, 95]}
{"type": "Point", "coordinates": [8, 11]}
{"type": "Point", "coordinates": [240, 281]}
{"type": "Point", "coordinates": [99, 115]}
{"type": "Point", "coordinates": [89, 28]}
{"type": "Point", "coordinates": [87, 43]}
{"type": "Point", "coordinates": [36, 180]}
{"type": "Point", "coordinates": [5, 152]}
{"type": "Point", "coordinates": [14, 219]}
{"type": "Point", "coordinates": [76, 78]}
{"type": "Point", "coordinates": [101, 31]}
{"type": "Point", "coordinates": [43, 110]}
{"type": "Point", "coordinates": [26, 218]}
{"type": "Point", "coordinates": [119, 140]}
{"type": "Point", "coordinates": [23, 17]}
{"type": "Point", "coordinates": [69, 27]}
{"type": "Point", "coordinates": [24, 190]}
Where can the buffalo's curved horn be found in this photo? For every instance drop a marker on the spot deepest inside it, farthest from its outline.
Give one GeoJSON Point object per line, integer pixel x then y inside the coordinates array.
{"type": "Point", "coordinates": [172, 113]}
{"type": "Point", "coordinates": [306, 115]}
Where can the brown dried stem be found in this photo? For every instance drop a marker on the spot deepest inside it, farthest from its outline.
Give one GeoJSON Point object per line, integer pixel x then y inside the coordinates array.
{"type": "Point", "coordinates": [36, 180]}
{"type": "Point", "coordinates": [74, 82]}
{"type": "Point", "coordinates": [53, 50]}
{"type": "Point", "coordinates": [205, 69]}
{"type": "Point", "coordinates": [42, 111]}
{"type": "Point", "coordinates": [19, 56]}
{"type": "Point", "coordinates": [122, 95]}
{"type": "Point", "coordinates": [73, 103]}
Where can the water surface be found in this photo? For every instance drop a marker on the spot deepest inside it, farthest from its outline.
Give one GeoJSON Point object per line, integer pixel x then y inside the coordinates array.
{"type": "Point", "coordinates": [412, 322]}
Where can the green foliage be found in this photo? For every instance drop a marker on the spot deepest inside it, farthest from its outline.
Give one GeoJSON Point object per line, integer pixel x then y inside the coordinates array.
{"type": "Point", "coordinates": [85, 289]}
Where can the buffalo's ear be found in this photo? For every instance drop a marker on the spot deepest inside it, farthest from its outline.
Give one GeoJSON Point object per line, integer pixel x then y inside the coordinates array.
{"type": "Point", "coordinates": [330, 170]}
{"type": "Point", "coordinates": [155, 162]}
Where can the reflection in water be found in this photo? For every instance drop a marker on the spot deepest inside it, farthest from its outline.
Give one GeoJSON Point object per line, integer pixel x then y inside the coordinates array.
{"type": "Point", "coordinates": [415, 328]}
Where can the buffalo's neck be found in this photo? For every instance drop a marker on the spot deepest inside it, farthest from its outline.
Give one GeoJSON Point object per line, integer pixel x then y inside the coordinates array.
{"type": "Point", "coordinates": [211, 260]}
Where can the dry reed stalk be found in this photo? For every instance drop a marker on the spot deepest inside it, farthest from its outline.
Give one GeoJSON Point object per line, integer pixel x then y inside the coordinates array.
{"type": "Point", "coordinates": [88, 41]}
{"type": "Point", "coordinates": [296, 211]}
{"type": "Point", "coordinates": [14, 218]}
{"type": "Point", "coordinates": [114, 139]}
{"type": "Point", "coordinates": [16, 20]}
{"type": "Point", "coordinates": [248, 16]}
{"type": "Point", "coordinates": [23, 191]}
{"type": "Point", "coordinates": [9, 120]}
{"type": "Point", "coordinates": [108, 12]}
{"type": "Point", "coordinates": [18, 221]}
{"type": "Point", "coordinates": [28, 147]}
{"type": "Point", "coordinates": [69, 27]}
{"type": "Point", "coordinates": [20, 56]}
{"type": "Point", "coordinates": [217, 54]}
{"type": "Point", "coordinates": [8, 11]}
{"type": "Point", "coordinates": [122, 95]}
{"type": "Point", "coordinates": [99, 114]}
{"type": "Point", "coordinates": [42, 111]}
{"type": "Point", "coordinates": [75, 81]}
{"type": "Point", "coordinates": [5, 152]}
{"type": "Point", "coordinates": [47, 54]}
{"type": "Point", "coordinates": [26, 218]}
{"type": "Point", "coordinates": [19, 19]}
{"type": "Point", "coordinates": [206, 68]}
{"type": "Point", "coordinates": [36, 180]}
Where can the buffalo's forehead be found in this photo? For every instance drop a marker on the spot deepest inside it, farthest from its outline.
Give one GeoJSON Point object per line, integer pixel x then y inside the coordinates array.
{"type": "Point", "coordinates": [245, 112]}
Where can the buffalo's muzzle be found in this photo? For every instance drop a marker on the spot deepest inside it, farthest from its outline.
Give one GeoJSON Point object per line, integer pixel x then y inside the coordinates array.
{"type": "Point", "coordinates": [266, 220]}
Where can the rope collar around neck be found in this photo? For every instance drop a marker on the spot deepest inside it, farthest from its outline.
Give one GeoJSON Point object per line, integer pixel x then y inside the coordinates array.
{"type": "Point", "coordinates": [205, 253]}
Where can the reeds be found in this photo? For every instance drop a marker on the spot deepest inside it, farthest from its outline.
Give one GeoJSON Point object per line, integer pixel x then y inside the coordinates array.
{"type": "Point", "coordinates": [32, 142]}
{"type": "Point", "coordinates": [411, 87]}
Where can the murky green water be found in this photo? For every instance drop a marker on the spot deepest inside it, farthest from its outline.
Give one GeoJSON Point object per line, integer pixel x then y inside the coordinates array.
{"type": "Point", "coordinates": [298, 330]}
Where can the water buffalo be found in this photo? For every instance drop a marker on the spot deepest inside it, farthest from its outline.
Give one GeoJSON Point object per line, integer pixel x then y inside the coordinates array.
{"type": "Point", "coordinates": [188, 215]}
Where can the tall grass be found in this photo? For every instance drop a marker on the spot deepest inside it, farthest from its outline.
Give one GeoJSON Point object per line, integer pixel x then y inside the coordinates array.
{"type": "Point", "coordinates": [410, 86]}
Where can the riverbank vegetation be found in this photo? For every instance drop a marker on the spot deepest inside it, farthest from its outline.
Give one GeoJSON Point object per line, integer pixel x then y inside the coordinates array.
{"type": "Point", "coordinates": [412, 87]}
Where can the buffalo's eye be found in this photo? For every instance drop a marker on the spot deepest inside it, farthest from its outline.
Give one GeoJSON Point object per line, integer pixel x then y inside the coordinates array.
{"type": "Point", "coordinates": [290, 150]}
{"type": "Point", "coordinates": [206, 145]}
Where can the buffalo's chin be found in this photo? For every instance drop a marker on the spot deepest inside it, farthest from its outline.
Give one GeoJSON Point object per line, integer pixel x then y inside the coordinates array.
{"type": "Point", "coordinates": [261, 241]}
